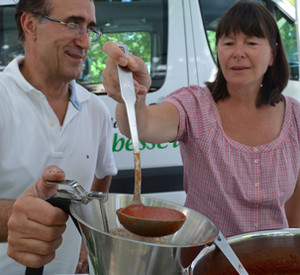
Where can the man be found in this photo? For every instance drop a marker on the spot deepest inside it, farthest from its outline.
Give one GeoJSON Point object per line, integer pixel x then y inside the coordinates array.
{"type": "Point", "coordinates": [47, 120]}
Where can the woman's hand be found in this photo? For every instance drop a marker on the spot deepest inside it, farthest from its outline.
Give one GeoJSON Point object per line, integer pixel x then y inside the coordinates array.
{"type": "Point", "coordinates": [142, 80]}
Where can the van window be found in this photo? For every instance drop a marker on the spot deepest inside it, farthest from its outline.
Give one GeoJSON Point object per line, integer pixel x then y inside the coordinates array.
{"type": "Point", "coordinates": [288, 34]}
{"type": "Point", "coordinates": [9, 48]}
{"type": "Point", "coordinates": [212, 10]}
{"type": "Point", "coordinates": [141, 24]}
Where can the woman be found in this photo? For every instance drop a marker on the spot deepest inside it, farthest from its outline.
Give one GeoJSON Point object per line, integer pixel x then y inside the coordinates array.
{"type": "Point", "coordinates": [239, 136]}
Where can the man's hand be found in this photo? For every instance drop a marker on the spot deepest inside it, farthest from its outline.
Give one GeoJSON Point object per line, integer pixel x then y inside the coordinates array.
{"type": "Point", "coordinates": [83, 262]}
{"type": "Point", "coordinates": [35, 226]}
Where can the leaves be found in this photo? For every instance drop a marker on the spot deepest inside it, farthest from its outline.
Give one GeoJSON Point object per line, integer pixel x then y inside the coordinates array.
{"type": "Point", "coordinates": [139, 43]}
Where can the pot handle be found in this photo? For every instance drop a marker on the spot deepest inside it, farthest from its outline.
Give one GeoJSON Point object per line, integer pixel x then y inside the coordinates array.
{"type": "Point", "coordinates": [63, 204]}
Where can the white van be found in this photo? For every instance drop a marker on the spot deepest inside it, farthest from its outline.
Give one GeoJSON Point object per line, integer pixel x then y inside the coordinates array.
{"type": "Point", "coordinates": [176, 39]}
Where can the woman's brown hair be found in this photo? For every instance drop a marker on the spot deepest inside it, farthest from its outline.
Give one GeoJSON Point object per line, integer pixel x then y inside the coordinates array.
{"type": "Point", "coordinates": [254, 19]}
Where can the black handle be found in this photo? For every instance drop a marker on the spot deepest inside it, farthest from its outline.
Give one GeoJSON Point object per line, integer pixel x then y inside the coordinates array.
{"type": "Point", "coordinates": [63, 204]}
{"type": "Point", "coordinates": [34, 271]}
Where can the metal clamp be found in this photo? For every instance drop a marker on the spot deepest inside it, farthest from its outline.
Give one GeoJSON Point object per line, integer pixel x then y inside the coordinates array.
{"type": "Point", "coordinates": [78, 193]}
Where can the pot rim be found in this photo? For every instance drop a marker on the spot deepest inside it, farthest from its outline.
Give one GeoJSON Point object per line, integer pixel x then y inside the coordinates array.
{"type": "Point", "coordinates": [264, 233]}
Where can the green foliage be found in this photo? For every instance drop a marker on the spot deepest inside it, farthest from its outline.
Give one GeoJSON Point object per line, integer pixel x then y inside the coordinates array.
{"type": "Point", "coordinates": [288, 36]}
{"type": "Point", "coordinates": [138, 43]}
{"type": "Point", "coordinates": [211, 36]}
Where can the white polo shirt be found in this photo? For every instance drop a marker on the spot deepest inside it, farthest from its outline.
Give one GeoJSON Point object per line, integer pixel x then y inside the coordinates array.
{"type": "Point", "coordinates": [32, 138]}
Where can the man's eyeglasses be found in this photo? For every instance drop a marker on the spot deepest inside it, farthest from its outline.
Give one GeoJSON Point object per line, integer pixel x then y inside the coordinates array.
{"type": "Point", "coordinates": [77, 30]}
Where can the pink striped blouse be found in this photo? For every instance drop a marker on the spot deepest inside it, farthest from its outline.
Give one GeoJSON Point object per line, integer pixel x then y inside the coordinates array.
{"type": "Point", "coordinates": [240, 188]}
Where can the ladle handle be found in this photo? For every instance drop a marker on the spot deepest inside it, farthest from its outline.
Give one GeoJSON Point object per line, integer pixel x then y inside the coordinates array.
{"type": "Point", "coordinates": [129, 97]}
{"type": "Point", "coordinates": [224, 246]}
{"type": "Point", "coordinates": [63, 204]}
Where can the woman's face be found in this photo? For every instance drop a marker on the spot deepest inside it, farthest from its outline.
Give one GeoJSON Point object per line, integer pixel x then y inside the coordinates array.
{"type": "Point", "coordinates": [244, 59]}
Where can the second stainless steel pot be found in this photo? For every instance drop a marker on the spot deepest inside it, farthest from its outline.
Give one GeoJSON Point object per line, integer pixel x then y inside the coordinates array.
{"type": "Point", "coordinates": [265, 252]}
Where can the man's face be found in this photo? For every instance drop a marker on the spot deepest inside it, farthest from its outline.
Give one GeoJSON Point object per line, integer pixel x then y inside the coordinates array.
{"type": "Point", "coordinates": [61, 50]}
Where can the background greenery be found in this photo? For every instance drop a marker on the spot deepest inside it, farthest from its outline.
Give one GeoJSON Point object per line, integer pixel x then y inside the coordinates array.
{"type": "Point", "coordinates": [139, 44]}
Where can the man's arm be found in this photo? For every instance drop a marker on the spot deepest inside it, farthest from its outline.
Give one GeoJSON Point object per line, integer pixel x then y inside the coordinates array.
{"type": "Point", "coordinates": [5, 212]}
{"type": "Point", "coordinates": [101, 185]}
{"type": "Point", "coordinates": [292, 207]}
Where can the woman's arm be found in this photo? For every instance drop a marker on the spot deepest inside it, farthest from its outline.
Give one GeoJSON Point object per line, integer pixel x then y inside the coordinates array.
{"type": "Point", "coordinates": [292, 207]}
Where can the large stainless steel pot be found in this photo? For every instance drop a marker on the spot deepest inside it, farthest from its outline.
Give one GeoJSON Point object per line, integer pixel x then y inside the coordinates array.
{"type": "Point", "coordinates": [263, 252]}
{"type": "Point", "coordinates": [113, 254]}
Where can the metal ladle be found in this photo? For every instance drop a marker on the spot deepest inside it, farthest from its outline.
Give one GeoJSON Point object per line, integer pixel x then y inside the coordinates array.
{"type": "Point", "coordinates": [147, 221]}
